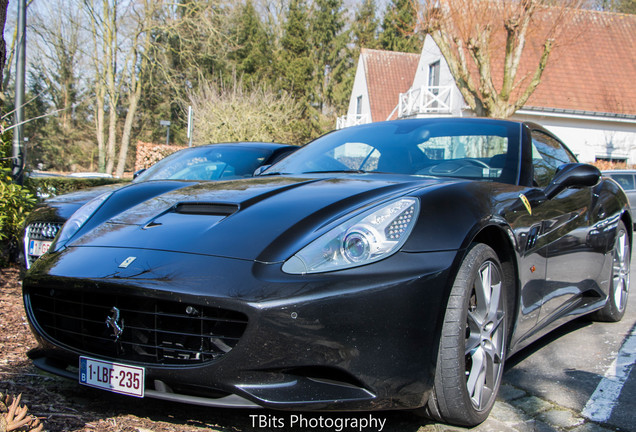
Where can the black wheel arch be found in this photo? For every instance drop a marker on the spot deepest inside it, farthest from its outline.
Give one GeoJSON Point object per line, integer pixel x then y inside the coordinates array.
{"type": "Point", "coordinates": [499, 236]}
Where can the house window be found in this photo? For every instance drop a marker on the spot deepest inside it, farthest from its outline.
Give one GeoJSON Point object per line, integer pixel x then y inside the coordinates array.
{"type": "Point", "coordinates": [433, 74]}
{"type": "Point", "coordinates": [359, 105]}
{"type": "Point", "coordinates": [433, 83]}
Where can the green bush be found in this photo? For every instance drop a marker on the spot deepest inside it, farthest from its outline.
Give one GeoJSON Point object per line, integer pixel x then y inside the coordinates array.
{"type": "Point", "coordinates": [15, 204]}
{"type": "Point", "coordinates": [46, 187]}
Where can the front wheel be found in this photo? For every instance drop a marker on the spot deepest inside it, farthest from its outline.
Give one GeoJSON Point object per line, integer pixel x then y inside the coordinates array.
{"type": "Point", "coordinates": [614, 309]}
{"type": "Point", "coordinates": [470, 361]}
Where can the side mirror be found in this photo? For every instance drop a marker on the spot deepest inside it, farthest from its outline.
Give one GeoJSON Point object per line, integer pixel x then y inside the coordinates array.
{"type": "Point", "coordinates": [258, 171]}
{"type": "Point", "coordinates": [138, 173]}
{"type": "Point", "coordinates": [572, 175]}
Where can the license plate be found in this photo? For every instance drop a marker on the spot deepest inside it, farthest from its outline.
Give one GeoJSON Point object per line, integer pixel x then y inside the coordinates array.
{"type": "Point", "coordinates": [39, 247]}
{"type": "Point", "coordinates": [113, 377]}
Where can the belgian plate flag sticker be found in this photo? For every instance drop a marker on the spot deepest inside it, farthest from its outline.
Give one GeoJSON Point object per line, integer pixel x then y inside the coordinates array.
{"type": "Point", "coordinates": [526, 203]}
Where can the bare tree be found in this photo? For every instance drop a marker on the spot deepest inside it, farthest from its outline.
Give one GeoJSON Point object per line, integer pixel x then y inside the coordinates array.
{"type": "Point", "coordinates": [134, 74]}
{"type": "Point", "coordinates": [57, 56]}
{"type": "Point", "coordinates": [104, 37]}
{"type": "Point", "coordinates": [7, 54]}
{"type": "Point", "coordinates": [121, 37]}
{"type": "Point", "coordinates": [476, 35]}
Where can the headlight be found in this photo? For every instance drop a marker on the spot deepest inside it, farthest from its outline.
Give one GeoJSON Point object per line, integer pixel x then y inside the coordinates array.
{"type": "Point", "coordinates": [78, 219]}
{"type": "Point", "coordinates": [366, 238]}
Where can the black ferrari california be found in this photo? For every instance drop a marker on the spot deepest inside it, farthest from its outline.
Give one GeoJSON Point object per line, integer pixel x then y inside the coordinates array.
{"type": "Point", "coordinates": [394, 265]}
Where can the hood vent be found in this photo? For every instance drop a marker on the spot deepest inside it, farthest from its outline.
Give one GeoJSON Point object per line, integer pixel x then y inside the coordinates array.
{"type": "Point", "coordinates": [207, 209]}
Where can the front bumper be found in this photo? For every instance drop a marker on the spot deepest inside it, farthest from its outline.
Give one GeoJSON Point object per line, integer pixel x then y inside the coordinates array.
{"type": "Point", "coordinates": [358, 339]}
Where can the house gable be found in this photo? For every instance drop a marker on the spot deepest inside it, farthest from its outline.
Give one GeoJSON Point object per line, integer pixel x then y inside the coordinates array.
{"type": "Point", "coordinates": [388, 74]}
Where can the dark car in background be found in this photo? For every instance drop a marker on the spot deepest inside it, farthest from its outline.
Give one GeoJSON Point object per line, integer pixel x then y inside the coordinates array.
{"type": "Point", "coordinates": [626, 179]}
{"type": "Point", "coordinates": [394, 265]}
{"type": "Point", "coordinates": [210, 162]}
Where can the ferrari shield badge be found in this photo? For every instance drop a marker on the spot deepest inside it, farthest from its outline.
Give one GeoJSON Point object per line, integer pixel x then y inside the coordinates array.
{"type": "Point", "coordinates": [128, 261]}
{"type": "Point", "coordinates": [526, 203]}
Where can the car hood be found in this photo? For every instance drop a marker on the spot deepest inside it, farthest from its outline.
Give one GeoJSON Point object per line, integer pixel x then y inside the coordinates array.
{"type": "Point", "coordinates": [262, 219]}
{"type": "Point", "coordinates": [60, 208]}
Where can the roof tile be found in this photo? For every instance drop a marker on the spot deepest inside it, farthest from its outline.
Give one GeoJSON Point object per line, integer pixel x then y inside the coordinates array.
{"type": "Point", "coordinates": [389, 73]}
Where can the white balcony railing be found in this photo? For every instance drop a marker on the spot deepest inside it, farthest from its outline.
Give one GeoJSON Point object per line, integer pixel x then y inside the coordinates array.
{"type": "Point", "coordinates": [346, 121]}
{"type": "Point", "coordinates": [426, 100]}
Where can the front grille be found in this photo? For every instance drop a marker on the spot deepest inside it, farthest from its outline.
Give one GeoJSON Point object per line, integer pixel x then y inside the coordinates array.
{"type": "Point", "coordinates": [153, 331]}
{"type": "Point", "coordinates": [42, 231]}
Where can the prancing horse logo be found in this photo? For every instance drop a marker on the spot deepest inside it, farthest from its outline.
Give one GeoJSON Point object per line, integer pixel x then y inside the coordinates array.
{"type": "Point", "coordinates": [113, 322]}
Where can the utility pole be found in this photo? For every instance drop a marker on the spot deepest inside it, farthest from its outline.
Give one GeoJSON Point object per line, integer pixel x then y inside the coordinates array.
{"type": "Point", "coordinates": [19, 147]}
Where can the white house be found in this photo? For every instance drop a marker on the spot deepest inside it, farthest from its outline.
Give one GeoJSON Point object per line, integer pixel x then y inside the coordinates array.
{"type": "Point", "coordinates": [380, 78]}
{"type": "Point", "coordinates": [587, 95]}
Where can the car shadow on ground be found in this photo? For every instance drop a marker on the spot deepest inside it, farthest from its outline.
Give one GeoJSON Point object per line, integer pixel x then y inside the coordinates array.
{"type": "Point", "coordinates": [546, 340]}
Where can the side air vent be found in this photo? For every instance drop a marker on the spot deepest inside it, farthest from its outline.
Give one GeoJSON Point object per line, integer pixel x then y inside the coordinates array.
{"type": "Point", "coordinates": [210, 209]}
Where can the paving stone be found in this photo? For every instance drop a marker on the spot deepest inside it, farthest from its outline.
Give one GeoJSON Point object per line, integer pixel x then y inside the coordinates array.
{"type": "Point", "coordinates": [428, 428]}
{"type": "Point", "coordinates": [508, 393]}
{"type": "Point", "coordinates": [505, 412]}
{"type": "Point", "coordinates": [494, 425]}
{"type": "Point", "coordinates": [532, 405]}
{"type": "Point", "coordinates": [591, 427]}
{"type": "Point", "coordinates": [561, 418]}
{"type": "Point", "coordinates": [539, 426]}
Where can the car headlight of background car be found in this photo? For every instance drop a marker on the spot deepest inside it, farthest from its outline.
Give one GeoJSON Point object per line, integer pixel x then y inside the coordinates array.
{"type": "Point", "coordinates": [371, 236]}
{"type": "Point", "coordinates": [77, 221]}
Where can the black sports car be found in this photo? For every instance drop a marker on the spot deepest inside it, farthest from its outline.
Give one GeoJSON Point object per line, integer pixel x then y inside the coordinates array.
{"type": "Point", "coordinates": [394, 265]}
{"type": "Point", "coordinates": [209, 162]}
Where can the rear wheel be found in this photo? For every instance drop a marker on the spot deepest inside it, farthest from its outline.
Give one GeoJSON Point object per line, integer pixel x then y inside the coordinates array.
{"type": "Point", "coordinates": [614, 309]}
{"type": "Point", "coordinates": [470, 362]}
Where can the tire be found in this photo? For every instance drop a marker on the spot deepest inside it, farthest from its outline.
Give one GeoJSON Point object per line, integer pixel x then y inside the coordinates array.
{"type": "Point", "coordinates": [614, 309]}
{"type": "Point", "coordinates": [470, 361]}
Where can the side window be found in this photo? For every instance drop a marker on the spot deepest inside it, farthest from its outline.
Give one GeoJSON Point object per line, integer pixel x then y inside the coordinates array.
{"type": "Point", "coordinates": [547, 155]}
{"type": "Point", "coordinates": [625, 180]}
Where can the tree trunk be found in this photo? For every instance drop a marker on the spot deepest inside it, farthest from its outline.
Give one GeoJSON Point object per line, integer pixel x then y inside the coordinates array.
{"type": "Point", "coordinates": [3, 47]}
{"type": "Point", "coordinates": [125, 138]}
{"type": "Point", "coordinates": [110, 51]}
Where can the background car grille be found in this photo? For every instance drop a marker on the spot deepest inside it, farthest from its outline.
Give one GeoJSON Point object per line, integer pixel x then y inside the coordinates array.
{"type": "Point", "coordinates": [40, 231]}
{"type": "Point", "coordinates": [154, 331]}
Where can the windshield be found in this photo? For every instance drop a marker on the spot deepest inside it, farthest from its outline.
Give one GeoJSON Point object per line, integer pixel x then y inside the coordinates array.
{"type": "Point", "coordinates": [215, 162]}
{"type": "Point", "coordinates": [466, 148]}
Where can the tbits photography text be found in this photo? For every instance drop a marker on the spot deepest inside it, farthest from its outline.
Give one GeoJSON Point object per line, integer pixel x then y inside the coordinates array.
{"type": "Point", "coordinates": [332, 424]}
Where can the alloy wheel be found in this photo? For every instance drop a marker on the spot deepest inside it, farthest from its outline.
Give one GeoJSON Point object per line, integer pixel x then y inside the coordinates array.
{"type": "Point", "coordinates": [620, 274]}
{"type": "Point", "coordinates": [484, 336]}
